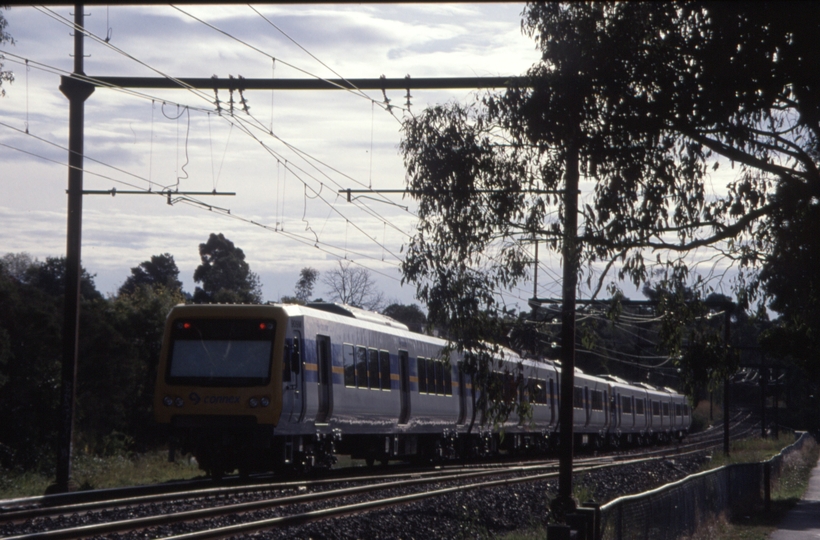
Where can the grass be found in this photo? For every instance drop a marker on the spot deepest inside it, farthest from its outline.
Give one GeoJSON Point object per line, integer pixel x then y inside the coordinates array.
{"type": "Point", "coordinates": [750, 450]}
{"type": "Point", "coordinates": [93, 472]}
{"type": "Point", "coordinates": [786, 492]}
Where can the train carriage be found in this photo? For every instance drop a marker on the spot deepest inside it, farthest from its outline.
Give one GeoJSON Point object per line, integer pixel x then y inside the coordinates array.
{"type": "Point", "coordinates": [267, 387]}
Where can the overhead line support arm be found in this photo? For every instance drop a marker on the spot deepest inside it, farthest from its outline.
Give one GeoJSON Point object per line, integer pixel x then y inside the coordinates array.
{"type": "Point", "coordinates": [207, 83]}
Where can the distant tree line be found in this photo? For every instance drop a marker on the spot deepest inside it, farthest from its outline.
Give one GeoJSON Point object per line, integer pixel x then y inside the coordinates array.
{"type": "Point", "coordinates": [119, 347]}
{"type": "Point", "coordinates": [120, 340]}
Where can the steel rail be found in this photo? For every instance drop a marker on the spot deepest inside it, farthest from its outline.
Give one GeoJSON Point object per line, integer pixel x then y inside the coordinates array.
{"type": "Point", "coordinates": [43, 511]}
{"type": "Point", "coordinates": [204, 513]}
{"type": "Point", "coordinates": [417, 477]}
{"type": "Point", "coordinates": [317, 515]}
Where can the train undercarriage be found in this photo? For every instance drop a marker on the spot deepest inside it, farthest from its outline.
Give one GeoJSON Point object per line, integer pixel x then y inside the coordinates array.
{"type": "Point", "coordinates": [247, 448]}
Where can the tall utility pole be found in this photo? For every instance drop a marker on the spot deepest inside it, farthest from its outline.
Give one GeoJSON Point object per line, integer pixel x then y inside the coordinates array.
{"type": "Point", "coordinates": [77, 92]}
{"type": "Point", "coordinates": [564, 503]}
{"type": "Point", "coordinates": [727, 325]}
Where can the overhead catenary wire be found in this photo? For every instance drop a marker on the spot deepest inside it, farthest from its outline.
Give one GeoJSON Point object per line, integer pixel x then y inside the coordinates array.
{"type": "Point", "coordinates": [385, 222]}
{"type": "Point", "coordinates": [188, 87]}
{"type": "Point", "coordinates": [203, 96]}
{"type": "Point", "coordinates": [372, 101]}
{"type": "Point", "coordinates": [322, 246]}
{"type": "Point", "coordinates": [354, 90]}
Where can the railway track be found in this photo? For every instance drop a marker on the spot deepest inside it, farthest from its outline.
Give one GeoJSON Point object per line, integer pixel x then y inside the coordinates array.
{"type": "Point", "coordinates": [239, 510]}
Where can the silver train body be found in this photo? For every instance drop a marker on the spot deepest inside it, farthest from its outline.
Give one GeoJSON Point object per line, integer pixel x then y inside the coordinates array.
{"type": "Point", "coordinates": [331, 379]}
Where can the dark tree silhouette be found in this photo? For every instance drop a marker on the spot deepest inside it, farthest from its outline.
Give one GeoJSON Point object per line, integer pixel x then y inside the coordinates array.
{"type": "Point", "coordinates": [224, 274]}
{"type": "Point", "coordinates": [411, 315]}
{"type": "Point", "coordinates": [49, 276]}
{"type": "Point", "coordinates": [161, 270]}
{"type": "Point", "coordinates": [5, 37]}
{"type": "Point", "coordinates": [644, 99]}
{"type": "Point", "coordinates": [304, 287]}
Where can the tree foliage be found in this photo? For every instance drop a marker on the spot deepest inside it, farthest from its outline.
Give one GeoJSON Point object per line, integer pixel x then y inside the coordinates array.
{"type": "Point", "coordinates": [307, 280]}
{"type": "Point", "coordinates": [353, 285]}
{"type": "Point", "coordinates": [5, 76]}
{"type": "Point", "coordinates": [652, 98]}
{"type": "Point", "coordinates": [161, 270]}
{"type": "Point", "coordinates": [411, 315]}
{"type": "Point", "coordinates": [225, 275]}
{"type": "Point", "coordinates": [790, 278]}
{"type": "Point", "coordinates": [120, 339]}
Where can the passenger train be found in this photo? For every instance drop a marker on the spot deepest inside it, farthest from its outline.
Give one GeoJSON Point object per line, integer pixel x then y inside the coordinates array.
{"type": "Point", "coordinates": [279, 387]}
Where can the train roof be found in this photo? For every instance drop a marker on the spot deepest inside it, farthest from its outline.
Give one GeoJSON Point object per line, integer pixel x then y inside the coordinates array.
{"type": "Point", "coordinates": [357, 313]}
{"type": "Point", "coordinates": [614, 378]}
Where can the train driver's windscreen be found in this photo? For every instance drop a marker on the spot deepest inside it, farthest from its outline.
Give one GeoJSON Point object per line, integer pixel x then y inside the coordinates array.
{"type": "Point", "coordinates": [220, 352]}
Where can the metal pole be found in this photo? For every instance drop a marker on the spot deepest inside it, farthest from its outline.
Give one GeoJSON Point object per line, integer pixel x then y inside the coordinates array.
{"type": "Point", "coordinates": [776, 375]}
{"type": "Point", "coordinates": [564, 502]}
{"type": "Point", "coordinates": [727, 325]}
{"type": "Point", "coordinates": [76, 92]}
{"type": "Point", "coordinates": [764, 381]}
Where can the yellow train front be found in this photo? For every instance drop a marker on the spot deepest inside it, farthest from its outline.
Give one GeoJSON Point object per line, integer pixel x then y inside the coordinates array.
{"type": "Point", "coordinates": [219, 383]}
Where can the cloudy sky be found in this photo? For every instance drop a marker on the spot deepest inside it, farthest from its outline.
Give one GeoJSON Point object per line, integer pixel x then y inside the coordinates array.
{"type": "Point", "coordinates": [286, 161]}
{"type": "Point", "coordinates": [322, 142]}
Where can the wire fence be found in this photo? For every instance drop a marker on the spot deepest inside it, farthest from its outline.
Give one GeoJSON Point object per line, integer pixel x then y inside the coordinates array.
{"type": "Point", "coordinates": [678, 509]}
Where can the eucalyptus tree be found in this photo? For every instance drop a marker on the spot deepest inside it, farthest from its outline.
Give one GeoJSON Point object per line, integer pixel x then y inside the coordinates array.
{"type": "Point", "coordinates": [160, 270]}
{"type": "Point", "coordinates": [225, 275]}
{"type": "Point", "coordinates": [644, 100]}
{"type": "Point", "coordinates": [5, 37]}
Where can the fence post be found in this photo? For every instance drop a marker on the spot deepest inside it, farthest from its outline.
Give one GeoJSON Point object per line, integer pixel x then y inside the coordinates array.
{"type": "Point", "coordinates": [558, 532]}
{"type": "Point", "coordinates": [595, 515]}
{"type": "Point", "coordinates": [767, 486]}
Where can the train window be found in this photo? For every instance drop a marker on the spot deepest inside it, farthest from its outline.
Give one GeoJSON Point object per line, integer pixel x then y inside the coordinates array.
{"type": "Point", "coordinates": [286, 363]}
{"type": "Point", "coordinates": [373, 369]}
{"type": "Point", "coordinates": [296, 357]}
{"type": "Point", "coordinates": [578, 397]}
{"type": "Point", "coordinates": [532, 390]}
{"type": "Point", "coordinates": [422, 375]}
{"type": "Point", "coordinates": [448, 379]}
{"type": "Point", "coordinates": [220, 352]}
{"type": "Point", "coordinates": [541, 391]}
{"type": "Point", "coordinates": [349, 361]}
{"type": "Point", "coordinates": [626, 404]}
{"type": "Point", "coordinates": [431, 376]}
{"type": "Point", "coordinates": [656, 408]}
{"type": "Point", "coordinates": [665, 408]}
{"type": "Point", "coordinates": [597, 400]}
{"type": "Point", "coordinates": [439, 378]}
{"type": "Point", "coordinates": [686, 409]}
{"type": "Point", "coordinates": [361, 367]}
{"type": "Point", "coordinates": [678, 410]}
{"type": "Point", "coordinates": [384, 364]}
{"type": "Point", "coordinates": [639, 406]}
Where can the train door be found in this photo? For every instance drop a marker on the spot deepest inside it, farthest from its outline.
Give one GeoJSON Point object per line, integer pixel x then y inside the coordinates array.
{"type": "Point", "coordinates": [293, 380]}
{"type": "Point", "coordinates": [404, 386]}
{"type": "Point", "coordinates": [552, 402]}
{"type": "Point", "coordinates": [325, 379]}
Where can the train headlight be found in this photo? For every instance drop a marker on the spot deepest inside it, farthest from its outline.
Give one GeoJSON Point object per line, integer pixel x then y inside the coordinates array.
{"type": "Point", "coordinates": [179, 402]}
{"type": "Point", "coordinates": [167, 401]}
{"type": "Point", "coordinates": [253, 402]}
{"type": "Point", "coordinates": [264, 401]}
